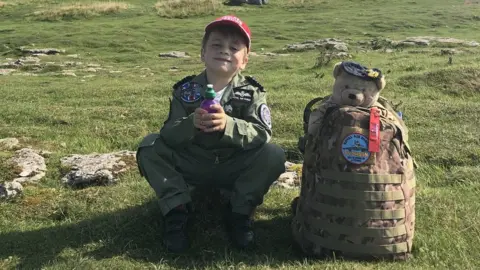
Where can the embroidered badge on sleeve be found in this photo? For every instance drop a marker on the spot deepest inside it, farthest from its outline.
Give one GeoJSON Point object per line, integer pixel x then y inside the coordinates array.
{"type": "Point", "coordinates": [265, 116]}
{"type": "Point", "coordinates": [190, 92]}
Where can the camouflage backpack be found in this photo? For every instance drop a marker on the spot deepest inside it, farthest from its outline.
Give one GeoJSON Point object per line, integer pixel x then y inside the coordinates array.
{"type": "Point", "coordinates": [356, 201]}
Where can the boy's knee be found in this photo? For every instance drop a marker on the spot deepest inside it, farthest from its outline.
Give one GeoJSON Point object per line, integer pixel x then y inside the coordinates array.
{"type": "Point", "coordinates": [146, 143]}
{"type": "Point", "coordinates": [148, 140]}
{"type": "Point", "coordinates": [274, 156]}
{"type": "Point", "coordinates": [147, 151]}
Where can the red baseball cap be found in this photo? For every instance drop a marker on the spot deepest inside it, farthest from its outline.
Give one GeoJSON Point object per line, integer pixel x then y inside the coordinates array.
{"type": "Point", "coordinates": [234, 21]}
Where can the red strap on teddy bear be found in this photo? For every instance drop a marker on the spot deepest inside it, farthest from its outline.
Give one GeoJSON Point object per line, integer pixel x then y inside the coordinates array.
{"type": "Point", "coordinates": [374, 134]}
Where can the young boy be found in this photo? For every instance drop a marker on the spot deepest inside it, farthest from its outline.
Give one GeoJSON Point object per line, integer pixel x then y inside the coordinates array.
{"type": "Point", "coordinates": [228, 149]}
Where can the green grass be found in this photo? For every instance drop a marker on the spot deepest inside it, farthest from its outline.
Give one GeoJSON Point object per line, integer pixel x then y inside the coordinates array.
{"type": "Point", "coordinates": [118, 227]}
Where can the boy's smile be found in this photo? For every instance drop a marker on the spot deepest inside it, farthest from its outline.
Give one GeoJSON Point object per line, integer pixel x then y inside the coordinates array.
{"type": "Point", "coordinates": [222, 59]}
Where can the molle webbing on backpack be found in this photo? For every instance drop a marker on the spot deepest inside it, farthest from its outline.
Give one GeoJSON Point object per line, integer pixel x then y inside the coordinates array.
{"type": "Point", "coordinates": [356, 202]}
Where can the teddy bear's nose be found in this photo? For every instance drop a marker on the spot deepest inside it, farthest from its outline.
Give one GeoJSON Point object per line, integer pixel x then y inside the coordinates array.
{"type": "Point", "coordinates": [352, 96]}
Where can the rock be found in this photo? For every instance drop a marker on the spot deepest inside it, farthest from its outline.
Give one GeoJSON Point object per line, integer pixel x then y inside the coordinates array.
{"type": "Point", "coordinates": [338, 47]}
{"type": "Point", "coordinates": [24, 74]}
{"type": "Point", "coordinates": [96, 168]}
{"type": "Point", "coordinates": [404, 44]}
{"type": "Point", "coordinates": [431, 40]}
{"type": "Point", "coordinates": [8, 143]}
{"type": "Point", "coordinates": [338, 55]}
{"type": "Point", "coordinates": [49, 51]}
{"type": "Point", "coordinates": [73, 55]}
{"type": "Point", "coordinates": [288, 165]}
{"type": "Point", "coordinates": [31, 165]}
{"type": "Point", "coordinates": [10, 190]}
{"type": "Point", "coordinates": [417, 41]}
{"type": "Point", "coordinates": [449, 51]}
{"type": "Point", "coordinates": [290, 178]}
{"type": "Point", "coordinates": [29, 60]}
{"type": "Point", "coordinates": [271, 54]}
{"type": "Point", "coordinates": [69, 73]}
{"type": "Point", "coordinates": [287, 180]}
{"type": "Point", "coordinates": [91, 70]}
{"type": "Point", "coordinates": [327, 43]}
{"type": "Point", "coordinates": [174, 54]}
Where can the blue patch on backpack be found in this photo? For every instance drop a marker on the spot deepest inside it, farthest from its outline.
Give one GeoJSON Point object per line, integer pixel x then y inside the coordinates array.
{"type": "Point", "coordinates": [355, 148]}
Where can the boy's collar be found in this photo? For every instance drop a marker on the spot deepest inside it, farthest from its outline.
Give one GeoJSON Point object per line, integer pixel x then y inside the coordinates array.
{"type": "Point", "coordinates": [202, 79]}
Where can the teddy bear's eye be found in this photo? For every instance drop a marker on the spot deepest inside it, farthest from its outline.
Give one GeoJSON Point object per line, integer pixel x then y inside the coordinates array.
{"type": "Point", "coordinates": [346, 86]}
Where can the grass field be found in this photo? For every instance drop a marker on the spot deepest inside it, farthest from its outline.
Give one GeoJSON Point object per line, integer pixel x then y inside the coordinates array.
{"type": "Point", "coordinates": [120, 93]}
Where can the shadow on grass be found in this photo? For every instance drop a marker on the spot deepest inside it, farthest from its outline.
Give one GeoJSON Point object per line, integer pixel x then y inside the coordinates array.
{"type": "Point", "coordinates": [135, 233]}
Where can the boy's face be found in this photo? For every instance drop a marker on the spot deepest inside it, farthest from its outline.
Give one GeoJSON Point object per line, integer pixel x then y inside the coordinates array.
{"type": "Point", "coordinates": [225, 54]}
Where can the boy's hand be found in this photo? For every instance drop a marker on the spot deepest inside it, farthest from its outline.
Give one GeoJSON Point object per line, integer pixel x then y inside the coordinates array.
{"type": "Point", "coordinates": [197, 118]}
{"type": "Point", "coordinates": [210, 122]}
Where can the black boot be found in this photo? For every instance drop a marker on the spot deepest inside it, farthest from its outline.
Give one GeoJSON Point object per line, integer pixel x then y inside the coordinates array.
{"type": "Point", "coordinates": [240, 230]}
{"type": "Point", "coordinates": [175, 237]}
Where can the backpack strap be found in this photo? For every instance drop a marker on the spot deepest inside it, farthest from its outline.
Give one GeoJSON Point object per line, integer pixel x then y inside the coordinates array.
{"type": "Point", "coordinates": [399, 123]}
{"type": "Point", "coordinates": [308, 110]}
{"type": "Point", "coordinates": [306, 116]}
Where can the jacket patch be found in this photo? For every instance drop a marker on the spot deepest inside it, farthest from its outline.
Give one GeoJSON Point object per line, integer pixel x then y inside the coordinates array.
{"type": "Point", "coordinates": [243, 95]}
{"type": "Point", "coordinates": [265, 115]}
{"type": "Point", "coordinates": [190, 92]}
{"type": "Point", "coordinates": [228, 108]}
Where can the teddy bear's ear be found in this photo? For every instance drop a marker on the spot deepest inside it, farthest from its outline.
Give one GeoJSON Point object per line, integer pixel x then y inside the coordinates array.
{"type": "Point", "coordinates": [337, 69]}
{"type": "Point", "coordinates": [381, 83]}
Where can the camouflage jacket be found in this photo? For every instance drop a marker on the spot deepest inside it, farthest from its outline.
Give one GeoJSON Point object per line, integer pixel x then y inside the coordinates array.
{"type": "Point", "coordinates": [244, 102]}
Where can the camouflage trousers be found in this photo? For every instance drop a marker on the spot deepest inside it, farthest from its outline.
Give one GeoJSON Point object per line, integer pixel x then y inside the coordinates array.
{"type": "Point", "coordinates": [247, 174]}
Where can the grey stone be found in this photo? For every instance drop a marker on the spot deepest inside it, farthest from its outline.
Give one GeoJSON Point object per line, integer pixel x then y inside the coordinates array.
{"type": "Point", "coordinates": [96, 168]}
{"type": "Point", "coordinates": [8, 143]}
{"type": "Point", "coordinates": [174, 54]}
{"type": "Point", "coordinates": [31, 164]}
{"type": "Point", "coordinates": [10, 190]}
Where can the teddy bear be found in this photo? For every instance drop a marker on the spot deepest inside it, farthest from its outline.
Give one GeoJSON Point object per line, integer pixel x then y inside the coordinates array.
{"type": "Point", "coordinates": [355, 85]}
